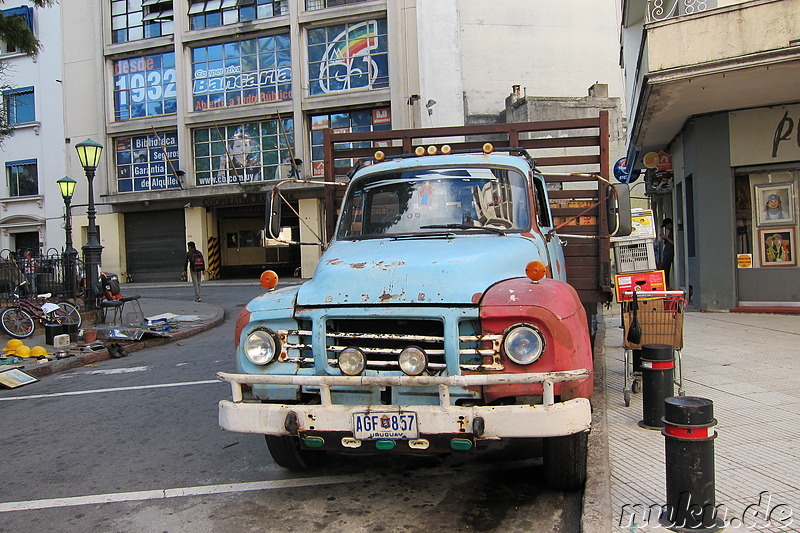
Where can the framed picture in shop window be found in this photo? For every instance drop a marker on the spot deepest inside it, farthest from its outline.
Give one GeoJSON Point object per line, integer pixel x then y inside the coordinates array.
{"type": "Point", "coordinates": [777, 247]}
{"type": "Point", "coordinates": [774, 205]}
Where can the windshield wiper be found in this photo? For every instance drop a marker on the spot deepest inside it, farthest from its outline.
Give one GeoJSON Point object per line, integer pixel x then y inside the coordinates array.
{"type": "Point", "coordinates": [464, 226]}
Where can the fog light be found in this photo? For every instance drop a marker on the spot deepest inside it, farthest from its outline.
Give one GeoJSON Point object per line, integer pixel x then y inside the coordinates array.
{"type": "Point", "coordinates": [413, 361]}
{"type": "Point", "coordinates": [352, 361]}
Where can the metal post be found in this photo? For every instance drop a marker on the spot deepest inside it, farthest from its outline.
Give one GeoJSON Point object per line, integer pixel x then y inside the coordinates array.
{"type": "Point", "coordinates": [92, 250]}
{"type": "Point", "coordinates": [658, 365]}
{"type": "Point", "coordinates": [70, 256]}
{"type": "Point", "coordinates": [689, 461]}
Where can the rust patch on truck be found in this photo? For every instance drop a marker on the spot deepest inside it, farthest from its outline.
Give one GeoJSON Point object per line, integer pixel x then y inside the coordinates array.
{"type": "Point", "coordinates": [358, 265]}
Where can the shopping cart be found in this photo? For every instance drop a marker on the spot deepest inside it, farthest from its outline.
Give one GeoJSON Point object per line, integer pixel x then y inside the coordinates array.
{"type": "Point", "coordinates": [658, 316]}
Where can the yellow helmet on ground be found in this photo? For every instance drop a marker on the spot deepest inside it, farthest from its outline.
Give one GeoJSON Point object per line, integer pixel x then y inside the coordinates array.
{"type": "Point", "coordinates": [22, 351]}
{"type": "Point", "coordinates": [12, 345]}
{"type": "Point", "coordinates": [38, 351]}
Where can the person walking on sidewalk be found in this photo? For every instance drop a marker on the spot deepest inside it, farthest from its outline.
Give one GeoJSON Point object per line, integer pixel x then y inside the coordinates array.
{"type": "Point", "coordinates": [196, 267]}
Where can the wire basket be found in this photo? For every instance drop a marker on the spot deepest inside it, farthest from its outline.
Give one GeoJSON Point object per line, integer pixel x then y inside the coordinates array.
{"type": "Point", "coordinates": [661, 321]}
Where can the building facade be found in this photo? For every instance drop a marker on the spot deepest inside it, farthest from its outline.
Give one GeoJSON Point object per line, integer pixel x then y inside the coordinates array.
{"type": "Point", "coordinates": [33, 155]}
{"type": "Point", "coordinates": [712, 92]}
{"type": "Point", "coordinates": [201, 104]}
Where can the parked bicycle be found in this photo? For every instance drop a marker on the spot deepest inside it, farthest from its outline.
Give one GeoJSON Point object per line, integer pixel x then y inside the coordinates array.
{"type": "Point", "coordinates": [18, 321]}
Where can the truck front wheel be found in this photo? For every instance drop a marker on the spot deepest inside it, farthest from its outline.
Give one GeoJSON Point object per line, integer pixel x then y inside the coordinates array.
{"type": "Point", "coordinates": [565, 461]}
{"type": "Point", "coordinates": [287, 452]}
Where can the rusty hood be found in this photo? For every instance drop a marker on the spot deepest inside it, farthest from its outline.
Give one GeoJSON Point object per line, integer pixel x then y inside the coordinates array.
{"type": "Point", "coordinates": [422, 271]}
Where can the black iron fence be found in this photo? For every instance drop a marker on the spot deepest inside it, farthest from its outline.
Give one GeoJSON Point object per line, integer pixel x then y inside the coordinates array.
{"type": "Point", "coordinates": [46, 273]}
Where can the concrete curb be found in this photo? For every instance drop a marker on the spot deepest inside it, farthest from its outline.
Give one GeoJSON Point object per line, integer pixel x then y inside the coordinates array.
{"type": "Point", "coordinates": [596, 512]}
{"type": "Point", "coordinates": [60, 365]}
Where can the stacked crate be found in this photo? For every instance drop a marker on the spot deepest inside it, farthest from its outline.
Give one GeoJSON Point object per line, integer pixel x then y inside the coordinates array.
{"type": "Point", "coordinates": [635, 253]}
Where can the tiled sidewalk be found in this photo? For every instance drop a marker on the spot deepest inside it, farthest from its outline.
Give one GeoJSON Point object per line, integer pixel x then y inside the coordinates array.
{"type": "Point", "coordinates": [749, 366]}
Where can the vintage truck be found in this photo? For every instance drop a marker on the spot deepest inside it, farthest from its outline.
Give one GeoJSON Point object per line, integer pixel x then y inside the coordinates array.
{"type": "Point", "coordinates": [440, 316]}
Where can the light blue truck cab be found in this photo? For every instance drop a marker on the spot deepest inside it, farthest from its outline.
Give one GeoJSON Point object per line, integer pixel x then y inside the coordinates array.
{"type": "Point", "coordinates": [438, 318]}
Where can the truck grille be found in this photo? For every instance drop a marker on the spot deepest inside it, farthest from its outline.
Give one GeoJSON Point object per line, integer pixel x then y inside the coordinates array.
{"type": "Point", "coordinates": [382, 340]}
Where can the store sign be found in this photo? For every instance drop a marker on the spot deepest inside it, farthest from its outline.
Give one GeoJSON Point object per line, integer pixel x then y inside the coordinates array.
{"type": "Point", "coordinates": [242, 73]}
{"type": "Point", "coordinates": [145, 86]}
{"type": "Point", "coordinates": [146, 162]}
{"type": "Point", "coordinates": [765, 135]}
{"type": "Point", "coordinates": [744, 260]}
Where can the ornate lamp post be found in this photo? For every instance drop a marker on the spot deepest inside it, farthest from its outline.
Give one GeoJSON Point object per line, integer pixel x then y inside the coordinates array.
{"type": "Point", "coordinates": [67, 187]}
{"type": "Point", "coordinates": [89, 153]}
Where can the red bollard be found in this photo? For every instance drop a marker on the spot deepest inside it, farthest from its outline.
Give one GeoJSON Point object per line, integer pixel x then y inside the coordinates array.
{"type": "Point", "coordinates": [689, 460]}
{"type": "Point", "coordinates": [658, 369]}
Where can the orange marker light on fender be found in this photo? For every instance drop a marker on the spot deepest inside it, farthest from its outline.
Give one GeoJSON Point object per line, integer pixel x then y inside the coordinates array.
{"type": "Point", "coordinates": [269, 279]}
{"type": "Point", "coordinates": [535, 270]}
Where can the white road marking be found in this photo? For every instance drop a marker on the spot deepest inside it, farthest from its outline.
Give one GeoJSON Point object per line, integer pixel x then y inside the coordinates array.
{"type": "Point", "coordinates": [160, 494]}
{"type": "Point", "coordinates": [113, 389]}
{"type": "Point", "coordinates": [117, 370]}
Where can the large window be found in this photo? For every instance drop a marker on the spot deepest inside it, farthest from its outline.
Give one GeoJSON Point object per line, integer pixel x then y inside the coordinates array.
{"type": "Point", "coordinates": [243, 153]}
{"type": "Point", "coordinates": [348, 57]}
{"type": "Point", "coordinates": [23, 178]}
{"type": "Point", "coordinates": [20, 107]}
{"type": "Point", "coordinates": [145, 86]}
{"type": "Point", "coordinates": [132, 20]}
{"type": "Point", "coordinates": [243, 72]}
{"type": "Point", "coordinates": [352, 121]}
{"type": "Point", "coordinates": [312, 5]}
{"type": "Point", "coordinates": [25, 13]}
{"type": "Point", "coordinates": [210, 13]}
{"type": "Point", "coordinates": [146, 162]}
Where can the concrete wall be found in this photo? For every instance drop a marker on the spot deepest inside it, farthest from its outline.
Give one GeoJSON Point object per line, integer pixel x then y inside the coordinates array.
{"type": "Point", "coordinates": [724, 33]}
{"type": "Point", "coordinates": [707, 161]}
{"type": "Point", "coordinates": [550, 48]}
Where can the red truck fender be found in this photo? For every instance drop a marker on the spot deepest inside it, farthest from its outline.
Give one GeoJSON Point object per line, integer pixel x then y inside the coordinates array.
{"type": "Point", "coordinates": [554, 308]}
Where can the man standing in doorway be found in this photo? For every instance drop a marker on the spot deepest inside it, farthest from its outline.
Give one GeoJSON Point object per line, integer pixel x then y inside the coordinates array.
{"type": "Point", "coordinates": [196, 267]}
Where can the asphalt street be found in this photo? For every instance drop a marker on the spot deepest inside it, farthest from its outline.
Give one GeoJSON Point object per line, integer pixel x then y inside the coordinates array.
{"type": "Point", "coordinates": [133, 445]}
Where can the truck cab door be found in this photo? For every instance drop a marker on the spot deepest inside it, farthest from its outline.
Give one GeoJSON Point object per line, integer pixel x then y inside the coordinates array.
{"type": "Point", "coordinates": [544, 219]}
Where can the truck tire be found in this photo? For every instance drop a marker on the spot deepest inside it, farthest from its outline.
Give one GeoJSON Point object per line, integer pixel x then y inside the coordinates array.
{"type": "Point", "coordinates": [565, 461]}
{"type": "Point", "coordinates": [286, 452]}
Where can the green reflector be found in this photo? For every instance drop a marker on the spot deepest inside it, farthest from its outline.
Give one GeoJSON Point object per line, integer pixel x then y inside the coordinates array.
{"type": "Point", "coordinates": [461, 444]}
{"type": "Point", "coordinates": [385, 444]}
{"type": "Point", "coordinates": [314, 442]}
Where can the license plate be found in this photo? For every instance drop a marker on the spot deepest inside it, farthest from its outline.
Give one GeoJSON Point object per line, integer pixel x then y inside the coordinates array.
{"type": "Point", "coordinates": [385, 425]}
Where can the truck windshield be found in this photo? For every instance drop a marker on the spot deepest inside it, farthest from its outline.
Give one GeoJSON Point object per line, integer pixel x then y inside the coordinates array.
{"type": "Point", "coordinates": [424, 201]}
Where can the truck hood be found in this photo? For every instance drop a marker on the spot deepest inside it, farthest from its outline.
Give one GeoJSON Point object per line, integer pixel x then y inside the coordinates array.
{"type": "Point", "coordinates": [430, 270]}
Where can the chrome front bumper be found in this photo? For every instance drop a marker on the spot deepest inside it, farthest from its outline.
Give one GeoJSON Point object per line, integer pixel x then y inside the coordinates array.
{"type": "Point", "coordinates": [549, 419]}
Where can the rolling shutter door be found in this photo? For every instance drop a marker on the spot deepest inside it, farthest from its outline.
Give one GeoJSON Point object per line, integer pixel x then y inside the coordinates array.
{"type": "Point", "coordinates": [155, 245]}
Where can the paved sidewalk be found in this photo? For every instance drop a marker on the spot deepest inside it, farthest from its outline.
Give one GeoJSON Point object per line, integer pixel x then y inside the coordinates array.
{"type": "Point", "coordinates": [208, 315]}
{"type": "Point", "coordinates": [749, 366]}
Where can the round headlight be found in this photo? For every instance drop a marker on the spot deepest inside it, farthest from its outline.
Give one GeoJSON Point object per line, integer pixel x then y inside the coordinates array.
{"type": "Point", "coordinates": [259, 347]}
{"type": "Point", "coordinates": [523, 344]}
{"type": "Point", "coordinates": [352, 361]}
{"type": "Point", "coordinates": [413, 361]}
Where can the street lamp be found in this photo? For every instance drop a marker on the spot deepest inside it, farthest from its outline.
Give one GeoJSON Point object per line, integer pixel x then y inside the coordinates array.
{"type": "Point", "coordinates": [67, 187]}
{"type": "Point", "coordinates": [89, 153]}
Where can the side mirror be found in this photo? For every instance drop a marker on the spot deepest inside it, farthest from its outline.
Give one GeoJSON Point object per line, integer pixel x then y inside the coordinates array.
{"type": "Point", "coordinates": [273, 212]}
{"type": "Point", "coordinates": [618, 210]}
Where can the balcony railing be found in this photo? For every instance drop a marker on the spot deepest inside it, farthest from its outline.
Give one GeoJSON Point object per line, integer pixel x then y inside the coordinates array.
{"type": "Point", "coordinates": [658, 10]}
